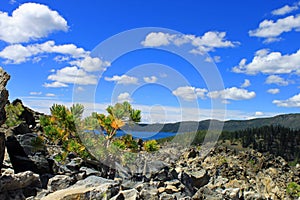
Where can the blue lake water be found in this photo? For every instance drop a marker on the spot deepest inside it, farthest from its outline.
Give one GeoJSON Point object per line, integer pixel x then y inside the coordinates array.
{"type": "Point", "coordinates": [145, 135]}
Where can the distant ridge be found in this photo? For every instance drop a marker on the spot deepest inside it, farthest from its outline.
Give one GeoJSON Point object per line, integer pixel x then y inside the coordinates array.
{"type": "Point", "coordinates": [287, 120]}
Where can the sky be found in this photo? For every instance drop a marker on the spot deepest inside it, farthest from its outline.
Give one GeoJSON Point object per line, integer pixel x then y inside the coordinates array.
{"type": "Point", "coordinates": [174, 60]}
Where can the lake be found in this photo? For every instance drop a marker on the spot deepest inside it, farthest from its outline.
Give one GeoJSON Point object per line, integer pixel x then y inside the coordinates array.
{"type": "Point", "coordinates": [145, 135]}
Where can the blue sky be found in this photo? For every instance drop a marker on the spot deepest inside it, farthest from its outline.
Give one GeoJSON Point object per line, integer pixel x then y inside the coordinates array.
{"type": "Point", "coordinates": [174, 60]}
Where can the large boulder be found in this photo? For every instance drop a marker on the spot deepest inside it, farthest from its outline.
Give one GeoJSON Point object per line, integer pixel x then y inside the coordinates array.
{"type": "Point", "coordinates": [2, 149]}
{"type": "Point", "coordinates": [26, 155]}
{"type": "Point", "coordinates": [93, 187]}
{"type": "Point", "coordinates": [59, 182]}
{"type": "Point", "coordinates": [19, 186]}
{"type": "Point", "coordinates": [4, 77]}
{"type": "Point", "coordinates": [30, 117]}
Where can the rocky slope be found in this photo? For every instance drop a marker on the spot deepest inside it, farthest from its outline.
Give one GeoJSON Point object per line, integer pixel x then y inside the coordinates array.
{"type": "Point", "coordinates": [171, 173]}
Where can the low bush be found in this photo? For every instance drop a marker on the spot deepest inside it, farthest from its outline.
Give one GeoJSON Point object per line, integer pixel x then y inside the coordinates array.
{"type": "Point", "coordinates": [13, 113]}
{"type": "Point", "coordinates": [151, 145]}
{"type": "Point", "coordinates": [293, 189]}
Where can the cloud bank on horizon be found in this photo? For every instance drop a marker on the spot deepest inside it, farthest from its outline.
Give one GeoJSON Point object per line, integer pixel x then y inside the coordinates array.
{"type": "Point", "coordinates": [260, 66]}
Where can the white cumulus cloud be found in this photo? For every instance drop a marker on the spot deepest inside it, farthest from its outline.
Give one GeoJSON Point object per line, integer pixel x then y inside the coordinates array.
{"type": "Point", "coordinates": [232, 93]}
{"type": "Point", "coordinates": [125, 96]}
{"type": "Point", "coordinates": [55, 84]}
{"type": "Point", "coordinates": [189, 93]}
{"type": "Point", "coordinates": [246, 83]}
{"type": "Point", "coordinates": [50, 95]}
{"type": "Point", "coordinates": [215, 59]}
{"type": "Point", "coordinates": [259, 113]}
{"type": "Point", "coordinates": [151, 79]}
{"type": "Point", "coordinates": [35, 93]}
{"type": "Point", "coordinates": [270, 63]}
{"type": "Point", "coordinates": [157, 39]}
{"type": "Point", "coordinates": [273, 91]}
{"type": "Point", "coordinates": [30, 21]}
{"type": "Point", "coordinates": [208, 42]}
{"type": "Point", "coordinates": [291, 102]}
{"type": "Point", "coordinates": [90, 64]}
{"type": "Point", "coordinates": [18, 53]}
{"type": "Point", "coordinates": [275, 79]}
{"type": "Point", "coordinates": [285, 10]}
{"type": "Point", "coordinates": [124, 79]}
{"type": "Point", "coordinates": [72, 75]}
{"type": "Point", "coordinates": [272, 29]}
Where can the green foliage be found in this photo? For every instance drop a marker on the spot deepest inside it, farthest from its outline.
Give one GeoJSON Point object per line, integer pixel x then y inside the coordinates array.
{"type": "Point", "coordinates": [221, 160]}
{"type": "Point", "coordinates": [129, 142]}
{"type": "Point", "coordinates": [277, 140]}
{"type": "Point", "coordinates": [61, 125]}
{"type": "Point", "coordinates": [76, 147]}
{"type": "Point", "coordinates": [252, 162]}
{"type": "Point", "coordinates": [151, 145]}
{"type": "Point", "coordinates": [64, 126]}
{"type": "Point", "coordinates": [91, 122]}
{"type": "Point", "coordinates": [61, 157]}
{"type": "Point", "coordinates": [77, 110]}
{"type": "Point", "coordinates": [294, 162]}
{"type": "Point", "coordinates": [38, 143]}
{"type": "Point", "coordinates": [293, 189]}
{"type": "Point", "coordinates": [118, 116]}
{"type": "Point", "coordinates": [60, 128]}
{"type": "Point", "coordinates": [119, 143]}
{"type": "Point", "coordinates": [13, 113]}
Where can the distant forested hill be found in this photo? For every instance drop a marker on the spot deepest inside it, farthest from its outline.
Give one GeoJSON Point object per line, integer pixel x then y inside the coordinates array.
{"type": "Point", "coordinates": [291, 121]}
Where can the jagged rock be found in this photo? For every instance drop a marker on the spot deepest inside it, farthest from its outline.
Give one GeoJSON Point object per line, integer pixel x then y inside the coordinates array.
{"type": "Point", "coordinates": [2, 149]}
{"type": "Point", "coordinates": [75, 164]}
{"type": "Point", "coordinates": [162, 176]}
{"type": "Point", "coordinates": [92, 187]}
{"type": "Point", "coordinates": [192, 153]}
{"type": "Point", "coordinates": [21, 129]}
{"type": "Point", "coordinates": [28, 115]}
{"type": "Point", "coordinates": [232, 193]}
{"type": "Point", "coordinates": [59, 182]}
{"type": "Point", "coordinates": [88, 171]}
{"type": "Point", "coordinates": [155, 166]}
{"type": "Point", "coordinates": [251, 195]}
{"type": "Point", "coordinates": [131, 194]}
{"type": "Point", "coordinates": [206, 193]}
{"type": "Point", "coordinates": [27, 143]}
{"type": "Point", "coordinates": [24, 155]}
{"type": "Point", "coordinates": [92, 181]}
{"type": "Point", "coordinates": [19, 186]}
{"type": "Point", "coordinates": [187, 181]}
{"type": "Point", "coordinates": [165, 196]}
{"type": "Point", "coordinates": [59, 168]}
{"type": "Point", "coordinates": [149, 193]}
{"type": "Point", "coordinates": [170, 189]}
{"type": "Point", "coordinates": [4, 78]}
{"type": "Point", "coordinates": [199, 178]}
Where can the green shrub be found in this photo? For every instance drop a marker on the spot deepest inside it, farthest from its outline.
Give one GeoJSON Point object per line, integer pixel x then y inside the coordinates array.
{"type": "Point", "coordinates": [76, 147]}
{"type": "Point", "coordinates": [61, 157]}
{"type": "Point", "coordinates": [60, 128]}
{"type": "Point", "coordinates": [151, 145]}
{"type": "Point", "coordinates": [38, 143]}
{"type": "Point", "coordinates": [129, 142]}
{"type": "Point", "coordinates": [119, 143]}
{"type": "Point", "coordinates": [13, 113]}
{"type": "Point", "coordinates": [293, 189]}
